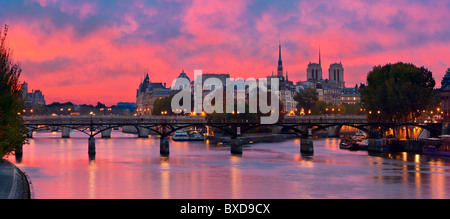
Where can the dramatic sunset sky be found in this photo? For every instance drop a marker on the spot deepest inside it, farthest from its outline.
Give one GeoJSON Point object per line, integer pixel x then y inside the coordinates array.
{"type": "Point", "coordinates": [99, 50]}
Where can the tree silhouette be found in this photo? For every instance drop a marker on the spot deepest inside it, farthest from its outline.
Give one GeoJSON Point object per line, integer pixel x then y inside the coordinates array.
{"type": "Point", "coordinates": [12, 129]}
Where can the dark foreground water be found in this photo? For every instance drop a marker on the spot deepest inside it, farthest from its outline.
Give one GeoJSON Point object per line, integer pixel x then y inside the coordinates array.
{"type": "Point", "coordinates": [128, 167]}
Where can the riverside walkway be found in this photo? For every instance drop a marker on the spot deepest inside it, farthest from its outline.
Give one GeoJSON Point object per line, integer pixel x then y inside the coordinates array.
{"type": "Point", "coordinates": [13, 182]}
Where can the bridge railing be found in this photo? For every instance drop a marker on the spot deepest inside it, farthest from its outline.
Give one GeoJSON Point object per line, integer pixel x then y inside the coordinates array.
{"type": "Point", "coordinates": [318, 119]}
{"type": "Point", "coordinates": [109, 120]}
{"type": "Point", "coordinates": [120, 120]}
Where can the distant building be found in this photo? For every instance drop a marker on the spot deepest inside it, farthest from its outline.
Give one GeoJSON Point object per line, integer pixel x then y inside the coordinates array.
{"type": "Point", "coordinates": [205, 76]}
{"type": "Point", "coordinates": [148, 93]}
{"type": "Point", "coordinates": [126, 106]}
{"type": "Point", "coordinates": [34, 98]}
{"type": "Point", "coordinates": [336, 74]}
{"type": "Point", "coordinates": [302, 85]}
{"type": "Point", "coordinates": [314, 70]}
{"type": "Point", "coordinates": [183, 75]}
{"type": "Point", "coordinates": [286, 87]}
{"type": "Point", "coordinates": [351, 95]}
{"type": "Point", "coordinates": [331, 90]}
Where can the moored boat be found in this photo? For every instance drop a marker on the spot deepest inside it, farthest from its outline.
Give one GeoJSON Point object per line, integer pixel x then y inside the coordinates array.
{"type": "Point", "coordinates": [187, 136]}
{"type": "Point", "coordinates": [437, 146]}
{"type": "Point", "coordinates": [195, 136]}
{"type": "Point", "coordinates": [357, 142]}
{"type": "Point", "coordinates": [180, 136]}
{"type": "Point", "coordinates": [349, 144]}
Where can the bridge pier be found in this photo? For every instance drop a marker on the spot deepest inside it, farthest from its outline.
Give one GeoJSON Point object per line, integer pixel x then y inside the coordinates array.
{"type": "Point", "coordinates": [106, 133]}
{"type": "Point", "coordinates": [65, 131]}
{"type": "Point", "coordinates": [236, 145]}
{"type": "Point", "coordinates": [143, 132]}
{"type": "Point", "coordinates": [307, 145]}
{"type": "Point", "coordinates": [164, 145]}
{"type": "Point", "coordinates": [91, 148]}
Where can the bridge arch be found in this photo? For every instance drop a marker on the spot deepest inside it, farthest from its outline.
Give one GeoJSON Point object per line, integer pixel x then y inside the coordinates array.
{"type": "Point", "coordinates": [434, 129]}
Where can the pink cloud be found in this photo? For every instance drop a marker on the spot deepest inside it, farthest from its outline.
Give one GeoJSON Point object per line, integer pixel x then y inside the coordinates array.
{"type": "Point", "coordinates": [79, 59]}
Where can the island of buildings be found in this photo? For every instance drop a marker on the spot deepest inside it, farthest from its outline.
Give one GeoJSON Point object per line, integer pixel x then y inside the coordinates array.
{"type": "Point", "coordinates": [331, 90]}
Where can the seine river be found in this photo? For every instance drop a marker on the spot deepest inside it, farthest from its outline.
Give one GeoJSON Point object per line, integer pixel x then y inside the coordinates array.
{"type": "Point", "coordinates": [127, 167]}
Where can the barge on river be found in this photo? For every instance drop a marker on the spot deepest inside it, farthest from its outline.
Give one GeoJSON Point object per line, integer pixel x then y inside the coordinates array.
{"type": "Point", "coordinates": [437, 146]}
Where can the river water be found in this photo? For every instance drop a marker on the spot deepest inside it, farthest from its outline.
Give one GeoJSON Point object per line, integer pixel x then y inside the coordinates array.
{"type": "Point", "coordinates": [127, 167]}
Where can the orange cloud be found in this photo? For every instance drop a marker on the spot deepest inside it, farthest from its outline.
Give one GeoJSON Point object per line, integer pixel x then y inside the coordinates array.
{"type": "Point", "coordinates": [87, 51]}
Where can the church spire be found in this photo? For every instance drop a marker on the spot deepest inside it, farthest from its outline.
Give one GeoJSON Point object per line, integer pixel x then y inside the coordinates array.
{"type": "Point", "coordinates": [280, 63]}
{"type": "Point", "coordinates": [279, 51]}
{"type": "Point", "coordinates": [320, 61]}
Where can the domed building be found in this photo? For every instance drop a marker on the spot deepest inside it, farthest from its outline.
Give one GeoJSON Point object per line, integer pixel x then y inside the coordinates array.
{"type": "Point", "coordinates": [183, 75]}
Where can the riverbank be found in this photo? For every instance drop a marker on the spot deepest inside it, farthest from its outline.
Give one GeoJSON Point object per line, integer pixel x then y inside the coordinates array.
{"type": "Point", "coordinates": [14, 184]}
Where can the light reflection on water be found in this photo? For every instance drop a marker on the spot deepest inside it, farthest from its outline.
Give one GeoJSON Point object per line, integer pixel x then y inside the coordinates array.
{"type": "Point", "coordinates": [128, 167]}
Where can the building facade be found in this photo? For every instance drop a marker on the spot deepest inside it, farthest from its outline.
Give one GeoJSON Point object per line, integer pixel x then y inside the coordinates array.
{"type": "Point", "coordinates": [336, 74]}
{"type": "Point", "coordinates": [148, 93]}
{"type": "Point", "coordinates": [34, 98]}
{"type": "Point", "coordinates": [286, 87]}
{"type": "Point", "coordinates": [331, 90]}
{"type": "Point", "coordinates": [350, 95]}
{"type": "Point", "coordinates": [314, 70]}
